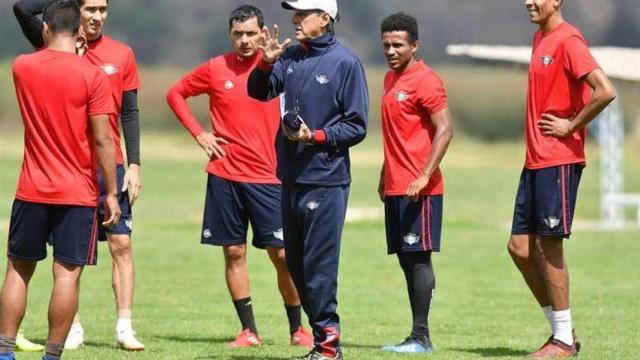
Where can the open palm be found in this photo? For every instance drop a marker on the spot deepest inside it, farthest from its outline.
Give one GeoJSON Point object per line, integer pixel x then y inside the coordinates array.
{"type": "Point", "coordinates": [271, 48]}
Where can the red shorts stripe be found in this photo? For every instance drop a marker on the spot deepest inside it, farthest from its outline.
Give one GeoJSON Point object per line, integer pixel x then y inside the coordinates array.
{"type": "Point", "coordinates": [429, 222]}
{"type": "Point", "coordinates": [563, 189]}
{"type": "Point", "coordinates": [424, 226]}
{"type": "Point", "coordinates": [93, 239]}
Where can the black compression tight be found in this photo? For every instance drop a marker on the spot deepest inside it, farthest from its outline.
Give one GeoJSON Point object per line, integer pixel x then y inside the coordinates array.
{"type": "Point", "coordinates": [421, 282]}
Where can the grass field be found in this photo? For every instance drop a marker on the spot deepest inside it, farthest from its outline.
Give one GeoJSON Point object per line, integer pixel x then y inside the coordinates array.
{"type": "Point", "coordinates": [482, 308]}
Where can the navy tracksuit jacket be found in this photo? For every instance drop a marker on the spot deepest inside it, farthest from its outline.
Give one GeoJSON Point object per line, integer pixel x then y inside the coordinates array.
{"type": "Point", "coordinates": [326, 81]}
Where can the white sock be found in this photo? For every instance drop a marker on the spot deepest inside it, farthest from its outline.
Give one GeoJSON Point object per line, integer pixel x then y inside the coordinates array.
{"type": "Point", "coordinates": [548, 312]}
{"type": "Point", "coordinates": [562, 327]}
{"type": "Point", "coordinates": [123, 325]}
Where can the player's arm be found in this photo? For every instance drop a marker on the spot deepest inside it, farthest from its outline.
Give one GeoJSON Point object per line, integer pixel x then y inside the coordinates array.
{"type": "Point", "coordinates": [443, 123]}
{"type": "Point", "coordinates": [194, 84]}
{"type": "Point", "coordinates": [26, 12]}
{"type": "Point", "coordinates": [130, 119]}
{"type": "Point", "coordinates": [603, 94]}
{"type": "Point", "coordinates": [106, 153]}
{"type": "Point", "coordinates": [381, 184]}
{"type": "Point", "coordinates": [266, 81]}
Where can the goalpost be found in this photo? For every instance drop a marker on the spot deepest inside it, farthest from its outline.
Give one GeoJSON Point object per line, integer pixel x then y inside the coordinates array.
{"type": "Point", "coordinates": [620, 64]}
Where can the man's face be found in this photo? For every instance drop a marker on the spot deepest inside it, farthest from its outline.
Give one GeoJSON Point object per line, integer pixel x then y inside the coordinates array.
{"type": "Point", "coordinates": [93, 16]}
{"type": "Point", "coordinates": [398, 49]}
{"type": "Point", "coordinates": [245, 37]}
{"type": "Point", "coordinates": [541, 10]}
{"type": "Point", "coordinates": [309, 23]}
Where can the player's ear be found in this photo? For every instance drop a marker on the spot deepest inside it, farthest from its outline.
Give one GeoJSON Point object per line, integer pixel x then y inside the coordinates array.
{"type": "Point", "coordinates": [415, 46]}
{"type": "Point", "coordinates": [45, 31]}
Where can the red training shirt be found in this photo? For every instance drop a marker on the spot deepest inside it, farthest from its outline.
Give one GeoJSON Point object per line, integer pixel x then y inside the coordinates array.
{"type": "Point", "coordinates": [250, 126]}
{"type": "Point", "coordinates": [408, 101]}
{"type": "Point", "coordinates": [119, 63]}
{"type": "Point", "coordinates": [57, 92]}
{"type": "Point", "coordinates": [559, 62]}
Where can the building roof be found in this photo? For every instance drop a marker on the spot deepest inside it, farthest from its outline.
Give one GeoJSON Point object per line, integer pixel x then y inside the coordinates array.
{"type": "Point", "coordinates": [618, 63]}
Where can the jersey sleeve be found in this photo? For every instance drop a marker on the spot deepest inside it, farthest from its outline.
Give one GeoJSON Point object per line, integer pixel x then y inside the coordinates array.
{"type": "Point", "coordinates": [577, 57]}
{"type": "Point", "coordinates": [198, 81]}
{"type": "Point", "coordinates": [131, 80]}
{"type": "Point", "coordinates": [100, 96]}
{"type": "Point", "coordinates": [431, 94]}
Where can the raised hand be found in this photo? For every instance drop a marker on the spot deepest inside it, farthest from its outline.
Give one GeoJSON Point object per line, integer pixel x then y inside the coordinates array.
{"type": "Point", "coordinates": [81, 43]}
{"type": "Point", "coordinates": [271, 47]}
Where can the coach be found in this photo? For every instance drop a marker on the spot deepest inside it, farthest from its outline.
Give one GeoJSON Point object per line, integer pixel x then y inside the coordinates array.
{"type": "Point", "coordinates": [326, 103]}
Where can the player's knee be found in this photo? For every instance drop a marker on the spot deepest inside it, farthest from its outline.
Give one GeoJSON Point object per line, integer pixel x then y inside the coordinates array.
{"type": "Point", "coordinates": [120, 246]}
{"type": "Point", "coordinates": [518, 250]}
{"type": "Point", "coordinates": [235, 256]}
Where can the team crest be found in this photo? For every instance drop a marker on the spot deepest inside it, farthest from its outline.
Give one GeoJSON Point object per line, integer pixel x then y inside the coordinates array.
{"type": "Point", "coordinates": [552, 222]}
{"type": "Point", "coordinates": [290, 70]}
{"type": "Point", "coordinates": [129, 224]}
{"type": "Point", "coordinates": [206, 233]}
{"type": "Point", "coordinates": [547, 60]}
{"type": "Point", "coordinates": [322, 79]}
{"type": "Point", "coordinates": [229, 85]}
{"type": "Point", "coordinates": [402, 96]}
{"type": "Point", "coordinates": [279, 234]}
{"type": "Point", "coordinates": [110, 69]}
{"type": "Point", "coordinates": [411, 239]}
{"type": "Point", "coordinates": [312, 205]}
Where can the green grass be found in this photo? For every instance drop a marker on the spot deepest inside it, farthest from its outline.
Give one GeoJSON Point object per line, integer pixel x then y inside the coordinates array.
{"type": "Point", "coordinates": [482, 308]}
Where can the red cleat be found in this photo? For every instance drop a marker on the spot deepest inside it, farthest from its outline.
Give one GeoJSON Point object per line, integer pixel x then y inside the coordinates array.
{"type": "Point", "coordinates": [576, 341]}
{"type": "Point", "coordinates": [246, 338]}
{"type": "Point", "coordinates": [554, 349]}
{"type": "Point", "coordinates": [302, 338]}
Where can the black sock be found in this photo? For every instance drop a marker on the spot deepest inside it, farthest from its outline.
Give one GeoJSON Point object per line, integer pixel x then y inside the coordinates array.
{"type": "Point", "coordinates": [294, 316]}
{"type": "Point", "coordinates": [7, 344]}
{"type": "Point", "coordinates": [418, 272]}
{"type": "Point", "coordinates": [245, 313]}
{"type": "Point", "coordinates": [54, 350]}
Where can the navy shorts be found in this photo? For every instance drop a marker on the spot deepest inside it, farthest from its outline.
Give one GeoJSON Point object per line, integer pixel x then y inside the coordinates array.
{"type": "Point", "coordinates": [71, 231]}
{"type": "Point", "coordinates": [125, 225]}
{"type": "Point", "coordinates": [413, 226]}
{"type": "Point", "coordinates": [229, 208]}
{"type": "Point", "coordinates": [546, 201]}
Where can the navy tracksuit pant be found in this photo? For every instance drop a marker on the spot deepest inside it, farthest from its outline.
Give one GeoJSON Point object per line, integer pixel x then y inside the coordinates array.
{"type": "Point", "coordinates": [313, 218]}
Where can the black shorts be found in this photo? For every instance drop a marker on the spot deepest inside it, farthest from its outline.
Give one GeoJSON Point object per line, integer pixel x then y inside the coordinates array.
{"type": "Point", "coordinates": [125, 225]}
{"type": "Point", "coordinates": [413, 226]}
{"type": "Point", "coordinates": [71, 231]}
{"type": "Point", "coordinates": [229, 208]}
{"type": "Point", "coordinates": [546, 201]}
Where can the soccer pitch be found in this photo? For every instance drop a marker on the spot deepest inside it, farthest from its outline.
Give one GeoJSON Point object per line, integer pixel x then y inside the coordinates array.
{"type": "Point", "coordinates": [482, 307]}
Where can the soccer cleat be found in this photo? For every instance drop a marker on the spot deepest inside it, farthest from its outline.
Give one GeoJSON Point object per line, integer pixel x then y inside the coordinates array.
{"type": "Point", "coordinates": [576, 341]}
{"type": "Point", "coordinates": [411, 345]}
{"type": "Point", "coordinates": [126, 340]}
{"type": "Point", "coordinates": [246, 338]}
{"type": "Point", "coordinates": [23, 344]}
{"type": "Point", "coordinates": [75, 338]}
{"type": "Point", "coordinates": [554, 349]}
{"type": "Point", "coordinates": [316, 355]}
{"type": "Point", "coordinates": [302, 338]}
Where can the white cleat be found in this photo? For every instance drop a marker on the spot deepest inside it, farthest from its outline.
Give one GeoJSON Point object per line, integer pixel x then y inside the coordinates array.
{"type": "Point", "coordinates": [126, 340]}
{"type": "Point", "coordinates": [75, 338]}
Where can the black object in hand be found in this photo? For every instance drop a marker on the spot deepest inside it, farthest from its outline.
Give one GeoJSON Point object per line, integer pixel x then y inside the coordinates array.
{"type": "Point", "coordinates": [292, 121]}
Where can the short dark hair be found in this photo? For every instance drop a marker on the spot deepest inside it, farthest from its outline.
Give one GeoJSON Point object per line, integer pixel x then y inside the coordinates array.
{"type": "Point", "coordinates": [401, 22]}
{"type": "Point", "coordinates": [62, 16]}
{"type": "Point", "coordinates": [245, 12]}
{"type": "Point", "coordinates": [81, 2]}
